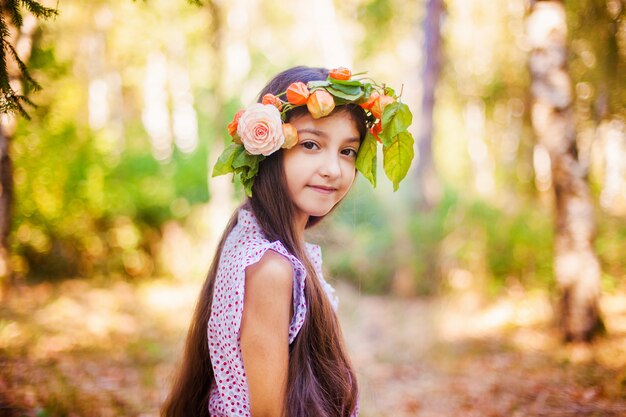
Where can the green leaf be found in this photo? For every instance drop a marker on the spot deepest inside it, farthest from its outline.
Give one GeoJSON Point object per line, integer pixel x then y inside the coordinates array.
{"type": "Point", "coordinates": [225, 161]}
{"type": "Point", "coordinates": [241, 158]}
{"type": "Point", "coordinates": [344, 96]}
{"type": "Point", "coordinates": [247, 186]}
{"type": "Point", "coordinates": [396, 118]}
{"type": "Point", "coordinates": [246, 177]}
{"type": "Point", "coordinates": [397, 157]}
{"type": "Point", "coordinates": [367, 90]}
{"type": "Point", "coordinates": [355, 91]}
{"type": "Point", "coordinates": [366, 158]}
{"type": "Point", "coordinates": [317, 84]}
{"type": "Point", "coordinates": [344, 82]}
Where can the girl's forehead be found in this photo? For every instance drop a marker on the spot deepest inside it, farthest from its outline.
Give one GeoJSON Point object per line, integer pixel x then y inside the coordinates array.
{"type": "Point", "coordinates": [340, 119]}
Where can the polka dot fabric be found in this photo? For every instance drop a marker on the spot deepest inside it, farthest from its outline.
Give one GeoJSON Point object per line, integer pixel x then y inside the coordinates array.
{"type": "Point", "coordinates": [244, 246]}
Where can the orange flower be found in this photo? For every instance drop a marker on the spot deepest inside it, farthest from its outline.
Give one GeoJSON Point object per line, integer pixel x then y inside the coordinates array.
{"type": "Point", "coordinates": [376, 129]}
{"type": "Point", "coordinates": [379, 105]}
{"type": "Point", "coordinates": [297, 93]}
{"type": "Point", "coordinates": [291, 135]}
{"type": "Point", "coordinates": [232, 126]}
{"type": "Point", "coordinates": [273, 100]}
{"type": "Point", "coordinates": [370, 101]}
{"type": "Point", "coordinates": [320, 103]}
{"type": "Point", "coordinates": [340, 73]}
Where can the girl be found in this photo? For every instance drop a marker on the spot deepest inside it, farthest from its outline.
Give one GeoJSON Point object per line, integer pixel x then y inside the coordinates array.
{"type": "Point", "coordinates": [264, 339]}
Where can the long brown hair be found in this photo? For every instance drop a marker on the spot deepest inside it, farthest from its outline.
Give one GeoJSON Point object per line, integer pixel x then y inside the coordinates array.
{"type": "Point", "coordinates": [320, 381]}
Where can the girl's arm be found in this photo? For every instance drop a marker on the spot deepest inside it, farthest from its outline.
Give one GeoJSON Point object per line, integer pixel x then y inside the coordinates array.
{"type": "Point", "coordinates": [265, 333]}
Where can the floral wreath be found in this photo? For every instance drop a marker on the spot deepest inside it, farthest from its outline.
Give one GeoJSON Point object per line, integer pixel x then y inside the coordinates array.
{"type": "Point", "coordinates": [260, 130]}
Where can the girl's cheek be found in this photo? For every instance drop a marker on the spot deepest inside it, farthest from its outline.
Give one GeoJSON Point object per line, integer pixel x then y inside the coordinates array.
{"type": "Point", "coordinates": [350, 163]}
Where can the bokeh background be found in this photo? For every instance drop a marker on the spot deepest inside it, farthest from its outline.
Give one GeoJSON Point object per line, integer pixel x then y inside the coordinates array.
{"type": "Point", "coordinates": [448, 286]}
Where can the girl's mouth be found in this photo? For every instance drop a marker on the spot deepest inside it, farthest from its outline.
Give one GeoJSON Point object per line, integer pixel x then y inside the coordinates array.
{"type": "Point", "coordinates": [322, 189]}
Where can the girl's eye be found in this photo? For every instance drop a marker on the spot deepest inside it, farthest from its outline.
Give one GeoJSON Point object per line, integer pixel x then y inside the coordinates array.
{"type": "Point", "coordinates": [309, 145]}
{"type": "Point", "coordinates": [350, 152]}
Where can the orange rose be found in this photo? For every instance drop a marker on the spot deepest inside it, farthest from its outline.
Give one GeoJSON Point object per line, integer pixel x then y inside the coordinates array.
{"type": "Point", "coordinates": [340, 73]}
{"type": "Point", "coordinates": [297, 93]}
{"type": "Point", "coordinates": [320, 104]}
{"type": "Point", "coordinates": [273, 100]}
{"type": "Point", "coordinates": [291, 135]}
{"type": "Point", "coordinates": [370, 101]}
{"type": "Point", "coordinates": [376, 129]}
{"type": "Point", "coordinates": [379, 105]}
{"type": "Point", "coordinates": [232, 126]}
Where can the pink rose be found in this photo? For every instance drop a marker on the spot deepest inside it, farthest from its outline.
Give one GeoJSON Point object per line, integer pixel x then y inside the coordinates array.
{"type": "Point", "coordinates": [260, 129]}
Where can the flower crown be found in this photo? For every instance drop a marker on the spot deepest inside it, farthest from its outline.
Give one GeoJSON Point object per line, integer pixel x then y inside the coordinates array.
{"type": "Point", "coordinates": [260, 130]}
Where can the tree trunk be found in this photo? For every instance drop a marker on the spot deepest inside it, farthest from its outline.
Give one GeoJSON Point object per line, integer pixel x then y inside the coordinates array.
{"type": "Point", "coordinates": [21, 40]}
{"type": "Point", "coordinates": [429, 188]}
{"type": "Point", "coordinates": [576, 265]}
{"type": "Point", "coordinates": [6, 199]}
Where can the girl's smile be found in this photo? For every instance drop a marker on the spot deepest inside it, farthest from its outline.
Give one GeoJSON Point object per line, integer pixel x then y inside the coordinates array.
{"type": "Point", "coordinates": [322, 189]}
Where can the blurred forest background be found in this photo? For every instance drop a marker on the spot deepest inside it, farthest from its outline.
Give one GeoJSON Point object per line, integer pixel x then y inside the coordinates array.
{"type": "Point", "coordinates": [115, 214]}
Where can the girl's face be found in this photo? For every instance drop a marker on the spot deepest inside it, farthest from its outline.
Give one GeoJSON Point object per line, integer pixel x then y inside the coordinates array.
{"type": "Point", "coordinates": [320, 168]}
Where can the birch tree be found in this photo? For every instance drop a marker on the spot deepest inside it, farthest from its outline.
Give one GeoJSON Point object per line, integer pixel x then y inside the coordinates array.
{"type": "Point", "coordinates": [576, 265]}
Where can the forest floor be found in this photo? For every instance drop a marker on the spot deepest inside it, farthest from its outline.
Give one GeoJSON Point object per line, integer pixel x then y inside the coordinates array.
{"type": "Point", "coordinates": [80, 349]}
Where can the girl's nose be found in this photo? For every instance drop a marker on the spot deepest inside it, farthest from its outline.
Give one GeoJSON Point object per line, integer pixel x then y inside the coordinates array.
{"type": "Point", "coordinates": [330, 166]}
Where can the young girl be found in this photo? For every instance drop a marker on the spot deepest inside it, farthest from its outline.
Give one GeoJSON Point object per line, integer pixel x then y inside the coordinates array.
{"type": "Point", "coordinates": [264, 339]}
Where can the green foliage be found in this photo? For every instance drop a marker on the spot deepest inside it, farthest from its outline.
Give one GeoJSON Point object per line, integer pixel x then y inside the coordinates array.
{"type": "Point", "coordinates": [610, 249]}
{"type": "Point", "coordinates": [245, 166]}
{"type": "Point", "coordinates": [396, 119]}
{"type": "Point", "coordinates": [87, 203]}
{"type": "Point", "coordinates": [359, 224]}
{"type": "Point", "coordinates": [85, 206]}
{"type": "Point", "coordinates": [598, 55]}
{"type": "Point", "coordinates": [498, 246]}
{"type": "Point", "coordinates": [397, 157]}
{"type": "Point", "coordinates": [10, 100]}
{"type": "Point", "coordinates": [377, 16]}
{"type": "Point", "coordinates": [518, 243]}
{"type": "Point", "coordinates": [366, 158]}
{"type": "Point", "coordinates": [397, 142]}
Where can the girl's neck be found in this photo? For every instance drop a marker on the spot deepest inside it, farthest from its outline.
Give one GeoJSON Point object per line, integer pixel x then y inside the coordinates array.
{"type": "Point", "coordinates": [301, 221]}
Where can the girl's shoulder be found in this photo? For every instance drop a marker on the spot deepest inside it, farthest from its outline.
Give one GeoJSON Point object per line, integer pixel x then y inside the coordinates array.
{"type": "Point", "coordinates": [244, 247]}
{"type": "Point", "coordinates": [248, 240]}
{"type": "Point", "coordinates": [247, 244]}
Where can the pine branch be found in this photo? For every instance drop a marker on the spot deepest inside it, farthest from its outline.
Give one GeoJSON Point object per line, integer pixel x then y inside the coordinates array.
{"type": "Point", "coordinates": [4, 34]}
{"type": "Point", "coordinates": [27, 101]}
{"type": "Point", "coordinates": [4, 29]}
{"type": "Point", "coordinates": [38, 10]}
{"type": "Point", "coordinates": [34, 85]}
{"type": "Point", "coordinates": [10, 101]}
{"type": "Point", "coordinates": [4, 72]}
{"type": "Point", "coordinates": [20, 108]}
{"type": "Point", "coordinates": [16, 16]}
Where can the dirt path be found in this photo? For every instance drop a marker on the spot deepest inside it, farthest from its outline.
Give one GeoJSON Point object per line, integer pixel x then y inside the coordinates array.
{"type": "Point", "coordinates": [75, 349]}
{"type": "Point", "coordinates": [450, 357]}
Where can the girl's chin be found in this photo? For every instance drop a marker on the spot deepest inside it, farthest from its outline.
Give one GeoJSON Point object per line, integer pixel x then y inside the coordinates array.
{"type": "Point", "coordinates": [319, 211]}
